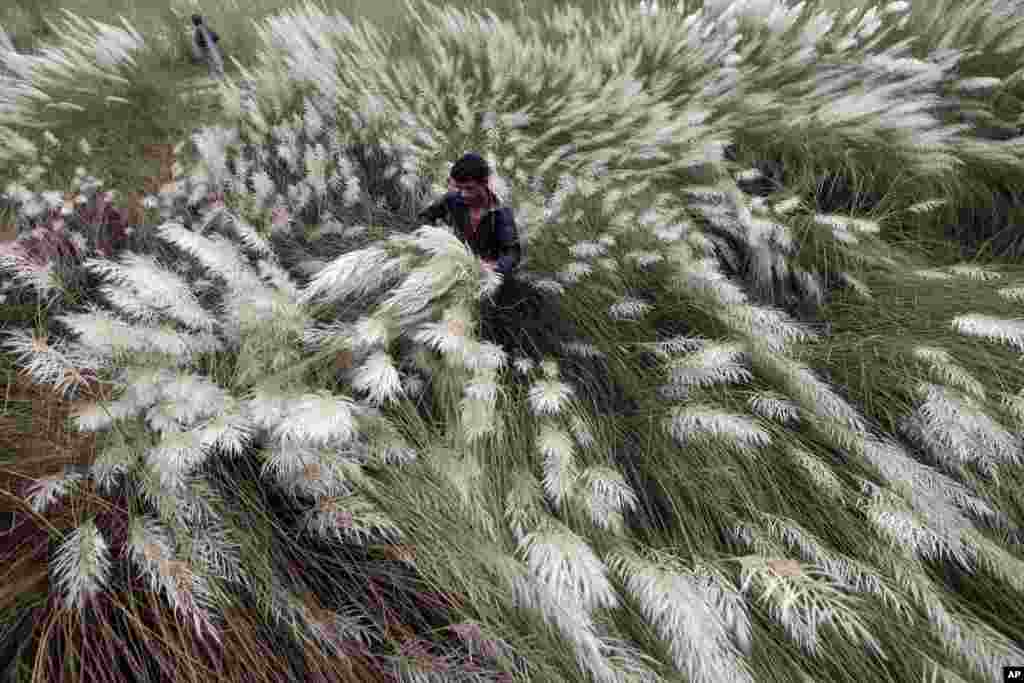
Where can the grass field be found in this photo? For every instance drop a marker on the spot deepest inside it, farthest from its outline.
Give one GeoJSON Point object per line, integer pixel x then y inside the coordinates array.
{"type": "Point", "coordinates": [757, 416]}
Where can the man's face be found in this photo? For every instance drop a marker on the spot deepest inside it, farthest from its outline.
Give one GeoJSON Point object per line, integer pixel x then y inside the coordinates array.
{"type": "Point", "coordinates": [474, 192]}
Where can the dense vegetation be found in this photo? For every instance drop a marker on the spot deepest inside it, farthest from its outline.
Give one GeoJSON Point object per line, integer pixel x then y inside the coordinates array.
{"type": "Point", "coordinates": [756, 417]}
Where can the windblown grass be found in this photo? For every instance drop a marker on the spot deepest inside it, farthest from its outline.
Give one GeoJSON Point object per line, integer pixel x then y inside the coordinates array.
{"type": "Point", "coordinates": [750, 411]}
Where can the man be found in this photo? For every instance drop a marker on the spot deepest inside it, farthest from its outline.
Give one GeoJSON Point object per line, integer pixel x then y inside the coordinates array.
{"type": "Point", "coordinates": [471, 207]}
{"type": "Point", "coordinates": [476, 214]}
{"type": "Point", "coordinates": [200, 46]}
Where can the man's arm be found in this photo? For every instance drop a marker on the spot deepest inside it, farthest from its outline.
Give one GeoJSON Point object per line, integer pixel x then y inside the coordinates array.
{"type": "Point", "coordinates": [438, 209]}
{"type": "Point", "coordinates": [509, 249]}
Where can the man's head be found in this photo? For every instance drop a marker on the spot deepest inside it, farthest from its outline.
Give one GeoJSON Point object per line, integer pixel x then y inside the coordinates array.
{"type": "Point", "coordinates": [469, 177]}
{"type": "Point", "coordinates": [197, 20]}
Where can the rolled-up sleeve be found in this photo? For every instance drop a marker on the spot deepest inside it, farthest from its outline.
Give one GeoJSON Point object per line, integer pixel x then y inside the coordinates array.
{"type": "Point", "coordinates": [509, 249]}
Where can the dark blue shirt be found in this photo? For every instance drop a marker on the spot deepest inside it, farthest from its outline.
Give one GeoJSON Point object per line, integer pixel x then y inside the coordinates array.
{"type": "Point", "coordinates": [496, 238]}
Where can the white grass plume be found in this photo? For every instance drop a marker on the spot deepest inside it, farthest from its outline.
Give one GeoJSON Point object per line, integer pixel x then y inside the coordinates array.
{"type": "Point", "coordinates": [973, 272]}
{"type": "Point", "coordinates": [229, 429]}
{"type": "Point", "coordinates": [112, 463]}
{"type": "Point", "coordinates": [814, 395]}
{"type": "Point", "coordinates": [962, 430]}
{"type": "Point", "coordinates": [425, 283]}
{"type": "Point", "coordinates": [44, 492]}
{"type": "Point", "coordinates": [844, 571]}
{"type": "Point", "coordinates": [586, 249]}
{"type": "Point", "coordinates": [720, 363]}
{"type": "Point", "coordinates": [559, 462]}
{"type": "Point", "coordinates": [583, 349]}
{"type": "Point", "coordinates": [82, 565]}
{"type": "Point", "coordinates": [91, 55]}
{"type": "Point", "coordinates": [479, 404]}
{"type": "Point", "coordinates": [561, 611]}
{"type": "Point", "coordinates": [694, 421]}
{"type": "Point", "coordinates": [907, 532]}
{"type": "Point", "coordinates": [549, 396]}
{"type": "Point", "coordinates": [216, 253]}
{"type": "Point", "coordinates": [803, 600]}
{"type": "Point", "coordinates": [772, 406]}
{"type": "Point", "coordinates": [379, 379]}
{"type": "Point", "coordinates": [67, 367]}
{"type": "Point", "coordinates": [629, 309]}
{"type": "Point", "coordinates": [175, 455]}
{"type": "Point", "coordinates": [524, 504]}
{"type": "Point", "coordinates": [1013, 293]}
{"type": "Point", "coordinates": [927, 206]}
{"type": "Point", "coordinates": [568, 566]}
{"type": "Point", "coordinates": [479, 356]}
{"type": "Point", "coordinates": [43, 277]}
{"type": "Point", "coordinates": [903, 471]}
{"type": "Point", "coordinates": [142, 387]}
{"type": "Point", "coordinates": [725, 601]}
{"type": "Point", "coordinates": [295, 466]}
{"type": "Point", "coordinates": [768, 326]}
{"type": "Point", "coordinates": [948, 371]}
{"type": "Point", "coordinates": [675, 604]}
{"type": "Point", "coordinates": [352, 519]}
{"type": "Point", "coordinates": [819, 472]}
{"type": "Point", "coordinates": [188, 398]}
{"type": "Point", "coordinates": [102, 334]}
{"type": "Point", "coordinates": [315, 418]}
{"type": "Point", "coordinates": [150, 546]}
{"type": "Point", "coordinates": [605, 496]}
{"type": "Point", "coordinates": [450, 336]}
{"type": "Point", "coordinates": [1010, 332]}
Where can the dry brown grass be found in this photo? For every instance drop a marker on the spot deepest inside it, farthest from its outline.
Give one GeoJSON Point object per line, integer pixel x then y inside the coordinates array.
{"type": "Point", "coordinates": [163, 154]}
{"type": "Point", "coordinates": [138, 632]}
{"type": "Point", "coordinates": [38, 439]}
{"type": "Point", "coordinates": [8, 232]}
{"type": "Point", "coordinates": [35, 425]}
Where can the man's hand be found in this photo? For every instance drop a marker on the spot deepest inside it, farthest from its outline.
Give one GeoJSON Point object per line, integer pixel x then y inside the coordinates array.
{"type": "Point", "coordinates": [490, 264]}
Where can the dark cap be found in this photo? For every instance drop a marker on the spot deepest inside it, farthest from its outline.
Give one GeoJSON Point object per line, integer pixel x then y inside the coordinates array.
{"type": "Point", "coordinates": [471, 166]}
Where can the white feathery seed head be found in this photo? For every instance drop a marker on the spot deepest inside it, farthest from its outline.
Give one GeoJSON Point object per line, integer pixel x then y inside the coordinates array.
{"type": "Point", "coordinates": [695, 421]}
{"type": "Point", "coordinates": [549, 396]}
{"type": "Point", "coordinates": [772, 406]}
{"type": "Point", "coordinates": [42, 493]}
{"type": "Point", "coordinates": [1010, 332]}
{"type": "Point", "coordinates": [605, 495]}
{"type": "Point", "coordinates": [560, 467]}
{"type": "Point", "coordinates": [379, 379]}
{"type": "Point", "coordinates": [676, 604]}
{"type": "Point", "coordinates": [82, 565]}
{"type": "Point", "coordinates": [718, 363]}
{"type": "Point", "coordinates": [974, 272]}
{"type": "Point", "coordinates": [568, 566]}
{"type": "Point", "coordinates": [1013, 293]}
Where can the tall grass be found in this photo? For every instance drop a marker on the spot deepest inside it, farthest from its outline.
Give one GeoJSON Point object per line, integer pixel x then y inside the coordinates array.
{"type": "Point", "coordinates": [747, 412]}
